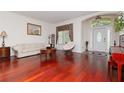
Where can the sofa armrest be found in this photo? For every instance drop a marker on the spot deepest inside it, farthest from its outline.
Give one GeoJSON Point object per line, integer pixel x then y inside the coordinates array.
{"type": "Point", "coordinates": [17, 48]}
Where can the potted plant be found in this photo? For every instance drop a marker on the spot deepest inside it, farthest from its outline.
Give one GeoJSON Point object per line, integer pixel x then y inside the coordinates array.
{"type": "Point", "coordinates": [119, 23]}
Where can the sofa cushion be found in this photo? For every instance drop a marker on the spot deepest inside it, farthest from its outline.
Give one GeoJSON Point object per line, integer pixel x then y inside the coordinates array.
{"type": "Point", "coordinates": [28, 47]}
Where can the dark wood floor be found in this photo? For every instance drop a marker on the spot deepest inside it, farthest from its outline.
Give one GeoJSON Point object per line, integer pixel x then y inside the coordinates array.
{"type": "Point", "coordinates": [77, 67]}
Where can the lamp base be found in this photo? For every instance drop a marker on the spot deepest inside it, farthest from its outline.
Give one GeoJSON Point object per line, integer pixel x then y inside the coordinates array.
{"type": "Point", "coordinates": [3, 44]}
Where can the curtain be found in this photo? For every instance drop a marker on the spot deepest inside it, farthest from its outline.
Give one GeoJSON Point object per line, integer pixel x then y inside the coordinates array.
{"type": "Point", "coordinates": [67, 27]}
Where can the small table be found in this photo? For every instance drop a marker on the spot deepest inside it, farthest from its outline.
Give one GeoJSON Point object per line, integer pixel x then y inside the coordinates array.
{"type": "Point", "coordinates": [118, 49]}
{"type": "Point", "coordinates": [51, 52]}
{"type": "Point", "coordinates": [119, 67]}
{"type": "Point", "coordinates": [4, 52]}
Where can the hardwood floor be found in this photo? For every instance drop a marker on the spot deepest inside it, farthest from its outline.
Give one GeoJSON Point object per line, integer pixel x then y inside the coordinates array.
{"type": "Point", "coordinates": [77, 67]}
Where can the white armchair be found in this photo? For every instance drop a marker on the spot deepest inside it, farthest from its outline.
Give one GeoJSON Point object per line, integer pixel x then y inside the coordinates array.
{"type": "Point", "coordinates": [68, 47]}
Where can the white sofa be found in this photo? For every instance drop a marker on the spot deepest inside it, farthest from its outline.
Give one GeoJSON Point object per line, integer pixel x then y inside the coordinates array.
{"type": "Point", "coordinates": [22, 50]}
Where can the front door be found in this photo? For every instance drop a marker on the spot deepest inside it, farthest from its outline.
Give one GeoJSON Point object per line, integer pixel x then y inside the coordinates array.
{"type": "Point", "coordinates": [100, 39]}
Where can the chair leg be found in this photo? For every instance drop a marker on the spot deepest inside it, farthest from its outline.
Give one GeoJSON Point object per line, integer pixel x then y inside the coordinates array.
{"type": "Point", "coordinates": [40, 57]}
{"type": "Point", "coordinates": [110, 72]}
{"type": "Point", "coordinates": [109, 68]}
{"type": "Point", "coordinates": [119, 72]}
{"type": "Point", "coordinates": [46, 56]}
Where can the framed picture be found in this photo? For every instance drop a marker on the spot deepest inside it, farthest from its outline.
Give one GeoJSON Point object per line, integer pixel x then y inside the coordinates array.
{"type": "Point", "coordinates": [33, 29]}
{"type": "Point", "coordinates": [121, 41]}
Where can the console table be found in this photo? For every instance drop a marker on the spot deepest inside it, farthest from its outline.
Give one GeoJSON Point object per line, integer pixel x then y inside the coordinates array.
{"type": "Point", "coordinates": [4, 52]}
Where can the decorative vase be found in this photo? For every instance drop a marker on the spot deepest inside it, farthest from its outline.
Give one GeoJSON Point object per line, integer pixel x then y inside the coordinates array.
{"type": "Point", "coordinates": [86, 43]}
{"type": "Point", "coordinates": [51, 45]}
{"type": "Point", "coordinates": [114, 43]}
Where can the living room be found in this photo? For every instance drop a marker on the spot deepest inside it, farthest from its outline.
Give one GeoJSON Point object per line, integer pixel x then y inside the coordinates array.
{"type": "Point", "coordinates": [15, 24]}
{"type": "Point", "coordinates": [61, 46]}
{"type": "Point", "coordinates": [23, 46]}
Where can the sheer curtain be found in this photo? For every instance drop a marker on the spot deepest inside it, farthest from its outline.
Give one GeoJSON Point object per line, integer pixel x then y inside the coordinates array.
{"type": "Point", "coordinates": [63, 37]}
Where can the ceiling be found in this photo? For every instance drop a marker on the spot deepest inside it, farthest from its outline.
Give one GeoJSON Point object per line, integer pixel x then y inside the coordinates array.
{"type": "Point", "coordinates": [54, 16]}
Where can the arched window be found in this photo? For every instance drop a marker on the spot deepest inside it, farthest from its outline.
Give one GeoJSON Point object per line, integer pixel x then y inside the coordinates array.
{"type": "Point", "coordinates": [101, 22]}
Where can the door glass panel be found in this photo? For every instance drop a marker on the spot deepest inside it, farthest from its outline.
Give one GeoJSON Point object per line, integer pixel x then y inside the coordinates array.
{"type": "Point", "coordinates": [99, 37]}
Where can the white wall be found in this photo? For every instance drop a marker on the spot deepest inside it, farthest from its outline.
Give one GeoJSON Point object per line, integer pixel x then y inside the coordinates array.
{"type": "Point", "coordinates": [88, 31]}
{"type": "Point", "coordinates": [76, 32]}
{"type": "Point", "coordinates": [87, 34]}
{"type": "Point", "coordinates": [80, 34]}
{"type": "Point", "coordinates": [16, 27]}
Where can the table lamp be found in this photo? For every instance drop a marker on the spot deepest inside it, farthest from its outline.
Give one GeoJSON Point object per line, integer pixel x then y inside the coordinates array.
{"type": "Point", "coordinates": [3, 34]}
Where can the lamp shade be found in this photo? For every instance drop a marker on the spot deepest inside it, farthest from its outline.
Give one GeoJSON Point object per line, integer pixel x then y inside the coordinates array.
{"type": "Point", "coordinates": [4, 34]}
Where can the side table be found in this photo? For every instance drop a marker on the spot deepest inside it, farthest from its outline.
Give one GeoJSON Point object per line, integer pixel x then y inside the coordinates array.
{"type": "Point", "coordinates": [51, 52]}
{"type": "Point", "coordinates": [4, 52]}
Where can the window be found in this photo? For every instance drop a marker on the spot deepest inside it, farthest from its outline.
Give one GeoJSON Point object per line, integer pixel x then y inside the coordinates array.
{"type": "Point", "coordinates": [63, 37]}
{"type": "Point", "coordinates": [64, 33]}
{"type": "Point", "coordinates": [101, 22]}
